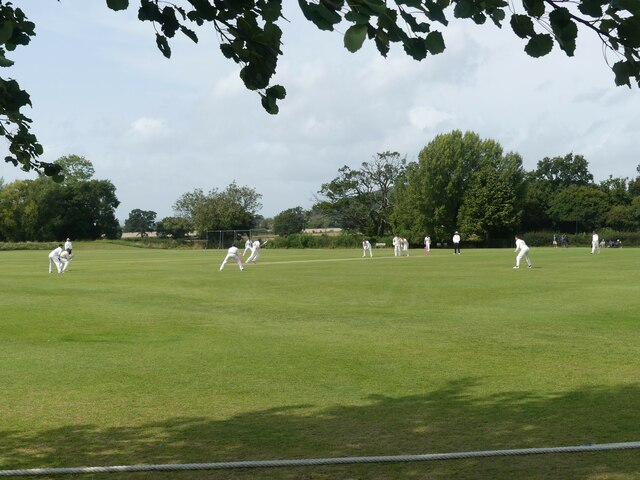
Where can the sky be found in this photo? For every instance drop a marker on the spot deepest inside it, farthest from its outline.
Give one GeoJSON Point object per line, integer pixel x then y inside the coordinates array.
{"type": "Point", "coordinates": [159, 128]}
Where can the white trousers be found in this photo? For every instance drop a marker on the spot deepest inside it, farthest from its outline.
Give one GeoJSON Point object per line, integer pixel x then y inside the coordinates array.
{"type": "Point", "coordinates": [595, 247]}
{"type": "Point", "coordinates": [229, 257]}
{"type": "Point", "coordinates": [523, 253]}
{"type": "Point", "coordinates": [56, 261]}
{"type": "Point", "coordinates": [255, 255]}
{"type": "Point", "coordinates": [396, 250]}
{"type": "Point", "coordinates": [364, 252]}
{"type": "Point", "coordinates": [64, 264]}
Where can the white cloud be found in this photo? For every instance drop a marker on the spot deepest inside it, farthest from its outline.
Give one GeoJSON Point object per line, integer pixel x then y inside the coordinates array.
{"type": "Point", "coordinates": [427, 118]}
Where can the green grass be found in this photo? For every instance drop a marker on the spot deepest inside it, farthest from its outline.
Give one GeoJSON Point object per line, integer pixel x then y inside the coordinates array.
{"type": "Point", "coordinates": [154, 356]}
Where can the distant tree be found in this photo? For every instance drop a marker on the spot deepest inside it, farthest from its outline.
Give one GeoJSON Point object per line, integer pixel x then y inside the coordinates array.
{"type": "Point", "coordinates": [235, 208]}
{"type": "Point", "coordinates": [623, 218]}
{"type": "Point", "coordinates": [616, 190]}
{"type": "Point", "coordinates": [450, 168]}
{"type": "Point", "coordinates": [289, 221]}
{"type": "Point", "coordinates": [140, 221]}
{"type": "Point", "coordinates": [362, 200]}
{"type": "Point", "coordinates": [20, 212]}
{"type": "Point", "coordinates": [175, 227]}
{"type": "Point", "coordinates": [584, 206]}
{"type": "Point", "coordinates": [560, 172]}
{"type": "Point", "coordinates": [634, 185]}
{"type": "Point", "coordinates": [492, 204]}
{"type": "Point", "coordinates": [75, 168]}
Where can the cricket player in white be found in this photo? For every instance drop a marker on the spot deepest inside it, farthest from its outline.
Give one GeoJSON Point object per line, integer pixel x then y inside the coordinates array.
{"type": "Point", "coordinates": [247, 246]}
{"type": "Point", "coordinates": [397, 241]}
{"type": "Point", "coordinates": [54, 258]}
{"type": "Point", "coordinates": [232, 253]}
{"type": "Point", "coordinates": [595, 243]}
{"type": "Point", "coordinates": [456, 243]}
{"type": "Point", "coordinates": [405, 246]}
{"type": "Point", "coordinates": [427, 245]}
{"type": "Point", "coordinates": [65, 259]}
{"type": "Point", "coordinates": [255, 252]}
{"type": "Point", "coordinates": [524, 252]}
{"type": "Point", "coordinates": [68, 246]}
{"type": "Point", "coordinates": [366, 245]}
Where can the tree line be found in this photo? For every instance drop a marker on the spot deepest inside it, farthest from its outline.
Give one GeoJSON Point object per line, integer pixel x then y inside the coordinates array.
{"type": "Point", "coordinates": [465, 183]}
{"type": "Point", "coordinates": [459, 182]}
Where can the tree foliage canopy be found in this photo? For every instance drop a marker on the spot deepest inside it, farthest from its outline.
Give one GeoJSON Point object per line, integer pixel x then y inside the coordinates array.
{"type": "Point", "coordinates": [235, 208]}
{"type": "Point", "coordinates": [140, 221]}
{"type": "Point", "coordinates": [42, 210]}
{"type": "Point", "coordinates": [250, 35]}
{"type": "Point", "coordinates": [362, 199]}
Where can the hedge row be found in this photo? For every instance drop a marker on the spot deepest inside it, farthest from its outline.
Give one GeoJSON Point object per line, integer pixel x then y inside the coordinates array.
{"type": "Point", "coordinates": [28, 245]}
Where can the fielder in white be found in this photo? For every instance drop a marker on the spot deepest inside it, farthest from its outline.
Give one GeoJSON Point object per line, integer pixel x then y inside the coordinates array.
{"type": "Point", "coordinates": [366, 245]}
{"type": "Point", "coordinates": [255, 252]}
{"type": "Point", "coordinates": [405, 246]}
{"type": "Point", "coordinates": [595, 243]}
{"type": "Point", "coordinates": [427, 245]}
{"type": "Point", "coordinates": [65, 259]}
{"type": "Point", "coordinates": [54, 258]}
{"type": "Point", "coordinates": [247, 246]}
{"type": "Point", "coordinates": [232, 253]}
{"type": "Point", "coordinates": [68, 246]}
{"type": "Point", "coordinates": [397, 241]}
{"type": "Point", "coordinates": [524, 252]}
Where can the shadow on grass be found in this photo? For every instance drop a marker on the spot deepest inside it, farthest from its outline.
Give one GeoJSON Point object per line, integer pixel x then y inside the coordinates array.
{"type": "Point", "coordinates": [452, 419]}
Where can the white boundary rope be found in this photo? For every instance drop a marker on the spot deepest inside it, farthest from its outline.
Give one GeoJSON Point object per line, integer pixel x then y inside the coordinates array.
{"type": "Point", "coordinates": [318, 461]}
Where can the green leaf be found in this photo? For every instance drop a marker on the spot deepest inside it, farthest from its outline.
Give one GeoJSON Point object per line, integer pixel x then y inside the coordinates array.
{"type": "Point", "coordinates": [189, 33]}
{"type": "Point", "coordinates": [522, 26]}
{"type": "Point", "coordinates": [632, 6]}
{"type": "Point", "coordinates": [269, 104]}
{"type": "Point", "coordinates": [565, 29]}
{"type": "Point", "coordinates": [593, 8]}
{"type": "Point", "coordinates": [163, 45]}
{"type": "Point", "coordinates": [357, 18]}
{"type": "Point", "coordinates": [118, 4]}
{"type": "Point", "coordinates": [377, 6]}
{"type": "Point", "coordinates": [464, 9]}
{"type": "Point", "coordinates": [5, 62]}
{"type": "Point", "coordinates": [535, 8]}
{"type": "Point", "coordinates": [416, 48]}
{"type": "Point", "coordinates": [272, 10]}
{"type": "Point", "coordinates": [435, 43]}
{"type": "Point", "coordinates": [623, 72]}
{"type": "Point", "coordinates": [6, 31]}
{"type": "Point", "coordinates": [539, 45]}
{"type": "Point", "coordinates": [435, 12]}
{"type": "Point", "coordinates": [277, 91]}
{"type": "Point", "coordinates": [354, 37]}
{"type": "Point", "coordinates": [629, 32]}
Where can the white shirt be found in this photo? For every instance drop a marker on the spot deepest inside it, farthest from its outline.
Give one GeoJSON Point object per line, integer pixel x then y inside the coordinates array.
{"type": "Point", "coordinates": [456, 238]}
{"type": "Point", "coordinates": [427, 240]}
{"type": "Point", "coordinates": [520, 245]}
{"type": "Point", "coordinates": [67, 245]}
{"type": "Point", "coordinates": [64, 256]}
{"type": "Point", "coordinates": [233, 251]}
{"type": "Point", "coordinates": [595, 238]}
{"type": "Point", "coordinates": [256, 244]}
{"type": "Point", "coordinates": [56, 252]}
{"type": "Point", "coordinates": [366, 245]}
{"type": "Point", "coordinates": [396, 241]}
